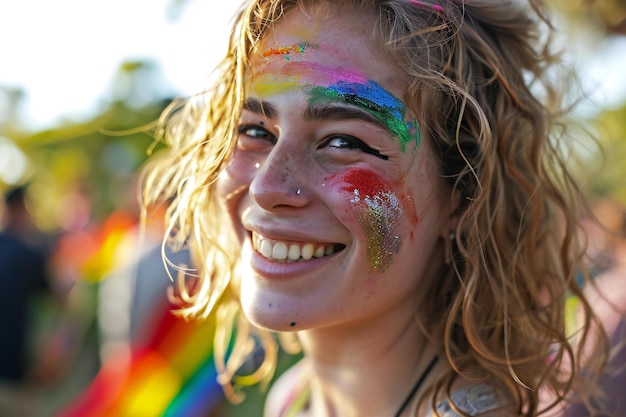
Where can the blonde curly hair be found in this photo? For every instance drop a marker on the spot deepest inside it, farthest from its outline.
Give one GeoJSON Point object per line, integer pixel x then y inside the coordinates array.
{"type": "Point", "coordinates": [486, 100]}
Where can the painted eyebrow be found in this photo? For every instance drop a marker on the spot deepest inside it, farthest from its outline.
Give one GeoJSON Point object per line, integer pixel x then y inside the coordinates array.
{"type": "Point", "coordinates": [318, 111]}
{"type": "Point", "coordinates": [332, 111]}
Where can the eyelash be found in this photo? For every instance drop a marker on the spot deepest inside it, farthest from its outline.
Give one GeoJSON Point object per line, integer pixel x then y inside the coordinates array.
{"type": "Point", "coordinates": [245, 129]}
{"type": "Point", "coordinates": [349, 142]}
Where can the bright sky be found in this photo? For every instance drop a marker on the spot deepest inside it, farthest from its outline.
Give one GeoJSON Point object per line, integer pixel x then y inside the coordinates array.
{"type": "Point", "coordinates": [65, 53]}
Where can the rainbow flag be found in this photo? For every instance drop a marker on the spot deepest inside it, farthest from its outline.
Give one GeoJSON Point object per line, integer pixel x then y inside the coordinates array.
{"type": "Point", "coordinates": [173, 374]}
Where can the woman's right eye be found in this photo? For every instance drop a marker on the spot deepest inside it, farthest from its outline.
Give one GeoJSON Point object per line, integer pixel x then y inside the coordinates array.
{"type": "Point", "coordinates": [257, 132]}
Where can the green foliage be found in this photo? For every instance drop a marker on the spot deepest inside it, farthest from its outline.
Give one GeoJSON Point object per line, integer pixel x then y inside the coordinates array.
{"type": "Point", "coordinates": [608, 16]}
{"type": "Point", "coordinates": [611, 128]}
{"type": "Point", "coordinates": [99, 157]}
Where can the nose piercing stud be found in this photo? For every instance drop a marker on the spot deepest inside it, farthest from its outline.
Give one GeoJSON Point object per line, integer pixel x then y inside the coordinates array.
{"type": "Point", "coordinates": [298, 192]}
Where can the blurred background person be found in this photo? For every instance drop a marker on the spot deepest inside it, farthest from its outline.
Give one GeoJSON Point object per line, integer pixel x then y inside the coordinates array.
{"type": "Point", "coordinates": [23, 275]}
{"type": "Point", "coordinates": [23, 278]}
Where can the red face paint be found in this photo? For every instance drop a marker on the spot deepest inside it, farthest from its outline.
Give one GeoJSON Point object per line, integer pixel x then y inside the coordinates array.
{"type": "Point", "coordinates": [378, 210]}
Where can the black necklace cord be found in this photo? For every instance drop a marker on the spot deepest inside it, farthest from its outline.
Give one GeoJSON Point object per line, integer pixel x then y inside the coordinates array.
{"type": "Point", "coordinates": [417, 385]}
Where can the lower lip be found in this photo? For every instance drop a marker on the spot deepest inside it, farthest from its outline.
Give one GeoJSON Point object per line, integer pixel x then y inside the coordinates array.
{"type": "Point", "coordinates": [273, 270]}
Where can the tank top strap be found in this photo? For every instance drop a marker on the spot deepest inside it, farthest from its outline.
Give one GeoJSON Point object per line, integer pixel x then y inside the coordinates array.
{"type": "Point", "coordinates": [297, 400]}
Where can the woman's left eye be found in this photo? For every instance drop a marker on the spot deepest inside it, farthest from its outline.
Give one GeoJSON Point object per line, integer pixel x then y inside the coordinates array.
{"type": "Point", "coordinates": [350, 142]}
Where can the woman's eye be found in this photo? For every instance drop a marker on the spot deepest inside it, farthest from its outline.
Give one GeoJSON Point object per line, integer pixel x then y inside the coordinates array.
{"type": "Point", "coordinates": [255, 131]}
{"type": "Point", "coordinates": [350, 142]}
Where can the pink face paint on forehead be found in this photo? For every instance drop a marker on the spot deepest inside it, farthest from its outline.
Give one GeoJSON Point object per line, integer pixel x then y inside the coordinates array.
{"type": "Point", "coordinates": [271, 67]}
{"type": "Point", "coordinates": [300, 65]}
{"type": "Point", "coordinates": [305, 73]}
{"type": "Point", "coordinates": [377, 209]}
{"type": "Point", "coordinates": [336, 84]}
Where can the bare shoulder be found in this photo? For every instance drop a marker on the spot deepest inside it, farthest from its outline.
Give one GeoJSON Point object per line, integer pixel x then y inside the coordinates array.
{"type": "Point", "coordinates": [282, 389]}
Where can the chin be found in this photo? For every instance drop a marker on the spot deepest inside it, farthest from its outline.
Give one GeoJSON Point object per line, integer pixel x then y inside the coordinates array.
{"type": "Point", "coordinates": [271, 317]}
{"type": "Point", "coordinates": [264, 309]}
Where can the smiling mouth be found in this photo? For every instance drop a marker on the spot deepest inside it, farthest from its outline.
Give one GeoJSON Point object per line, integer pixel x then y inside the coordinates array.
{"type": "Point", "coordinates": [283, 251]}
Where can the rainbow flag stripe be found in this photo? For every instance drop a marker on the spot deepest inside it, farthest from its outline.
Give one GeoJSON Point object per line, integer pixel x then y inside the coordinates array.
{"type": "Point", "coordinates": [172, 375]}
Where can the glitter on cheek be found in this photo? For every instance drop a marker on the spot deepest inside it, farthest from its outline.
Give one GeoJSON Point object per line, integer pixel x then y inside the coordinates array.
{"type": "Point", "coordinates": [379, 212]}
{"type": "Point", "coordinates": [379, 216]}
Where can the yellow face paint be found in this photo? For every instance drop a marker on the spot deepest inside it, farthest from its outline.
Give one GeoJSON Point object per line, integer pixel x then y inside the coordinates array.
{"type": "Point", "coordinates": [334, 84]}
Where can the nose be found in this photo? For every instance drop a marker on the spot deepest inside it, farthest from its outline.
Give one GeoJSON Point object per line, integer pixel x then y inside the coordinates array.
{"type": "Point", "coordinates": [278, 182]}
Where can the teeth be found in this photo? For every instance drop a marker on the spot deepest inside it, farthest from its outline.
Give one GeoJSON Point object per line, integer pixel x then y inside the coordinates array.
{"type": "Point", "coordinates": [284, 252]}
{"type": "Point", "coordinates": [279, 251]}
{"type": "Point", "coordinates": [294, 252]}
{"type": "Point", "coordinates": [266, 249]}
{"type": "Point", "coordinates": [307, 251]}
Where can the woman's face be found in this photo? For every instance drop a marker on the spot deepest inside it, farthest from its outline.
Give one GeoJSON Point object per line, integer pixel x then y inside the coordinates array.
{"type": "Point", "coordinates": [337, 201]}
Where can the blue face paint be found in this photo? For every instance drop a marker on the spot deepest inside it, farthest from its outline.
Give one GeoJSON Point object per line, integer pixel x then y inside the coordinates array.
{"type": "Point", "coordinates": [377, 101]}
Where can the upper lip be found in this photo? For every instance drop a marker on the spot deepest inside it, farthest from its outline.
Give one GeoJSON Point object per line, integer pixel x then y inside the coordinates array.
{"type": "Point", "coordinates": [288, 236]}
{"type": "Point", "coordinates": [283, 233]}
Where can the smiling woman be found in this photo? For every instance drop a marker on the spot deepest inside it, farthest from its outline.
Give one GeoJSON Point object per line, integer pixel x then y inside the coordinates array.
{"type": "Point", "coordinates": [376, 179]}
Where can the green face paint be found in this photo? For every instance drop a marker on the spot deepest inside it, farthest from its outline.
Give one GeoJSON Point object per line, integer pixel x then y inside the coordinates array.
{"type": "Point", "coordinates": [332, 84]}
{"type": "Point", "coordinates": [372, 98]}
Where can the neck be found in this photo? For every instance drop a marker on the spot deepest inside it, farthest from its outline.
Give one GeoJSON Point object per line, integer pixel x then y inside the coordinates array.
{"type": "Point", "coordinates": [367, 368]}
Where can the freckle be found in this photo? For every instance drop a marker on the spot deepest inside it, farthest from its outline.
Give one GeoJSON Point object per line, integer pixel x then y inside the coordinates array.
{"type": "Point", "coordinates": [262, 123]}
{"type": "Point", "coordinates": [292, 324]}
{"type": "Point", "coordinates": [270, 305]}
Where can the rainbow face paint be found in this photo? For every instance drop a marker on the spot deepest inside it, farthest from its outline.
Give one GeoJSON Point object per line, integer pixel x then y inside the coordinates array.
{"type": "Point", "coordinates": [372, 98]}
{"type": "Point", "coordinates": [326, 83]}
{"type": "Point", "coordinates": [378, 210]}
{"type": "Point", "coordinates": [288, 51]}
